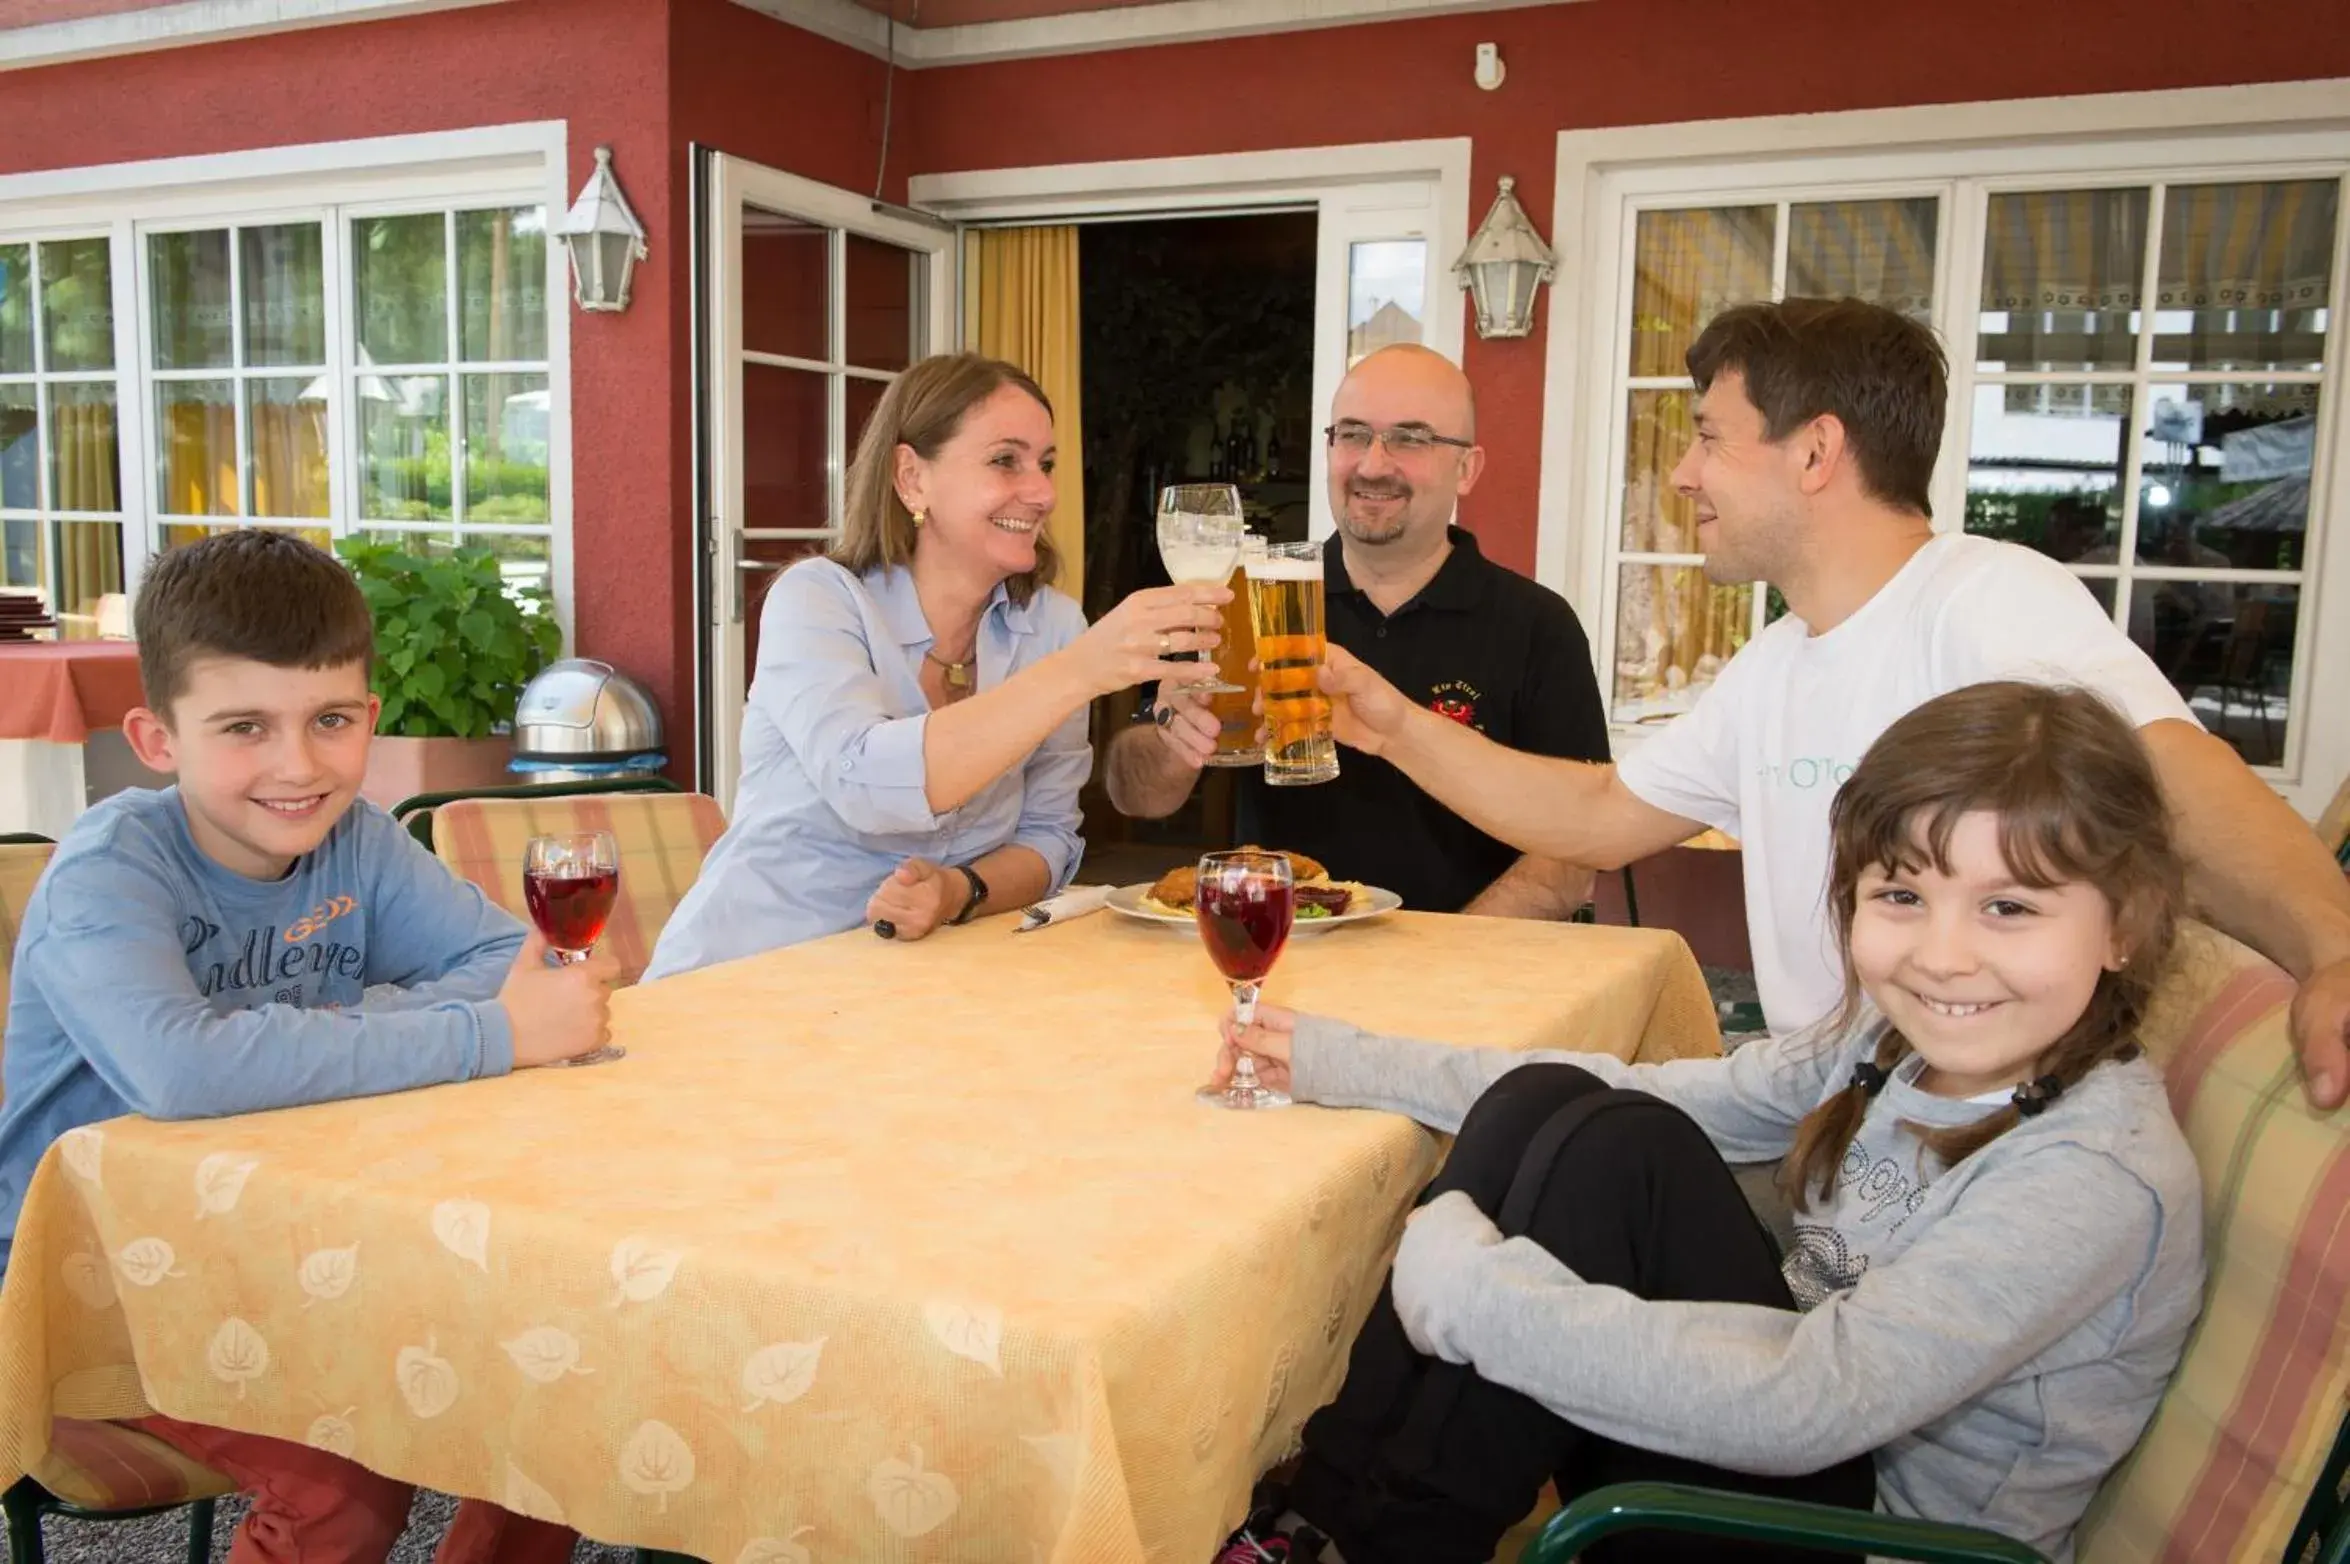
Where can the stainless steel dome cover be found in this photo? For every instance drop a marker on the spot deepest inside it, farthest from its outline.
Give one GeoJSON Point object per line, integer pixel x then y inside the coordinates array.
{"type": "Point", "coordinates": [581, 709]}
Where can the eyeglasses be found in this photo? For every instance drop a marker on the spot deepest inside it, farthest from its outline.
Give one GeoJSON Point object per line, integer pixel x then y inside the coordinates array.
{"type": "Point", "coordinates": [1400, 439]}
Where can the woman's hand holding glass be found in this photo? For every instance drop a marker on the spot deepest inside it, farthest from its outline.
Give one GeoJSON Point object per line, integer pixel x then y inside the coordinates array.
{"type": "Point", "coordinates": [1132, 643]}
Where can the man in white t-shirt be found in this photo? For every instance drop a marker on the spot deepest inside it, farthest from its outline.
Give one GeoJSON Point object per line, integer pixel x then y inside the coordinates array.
{"type": "Point", "coordinates": [1818, 424]}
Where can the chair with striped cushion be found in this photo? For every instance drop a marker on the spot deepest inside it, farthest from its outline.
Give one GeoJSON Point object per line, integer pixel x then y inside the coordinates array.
{"type": "Point", "coordinates": [93, 1471]}
{"type": "Point", "coordinates": [107, 1472]}
{"type": "Point", "coordinates": [2248, 1456]}
{"type": "Point", "coordinates": [663, 838]}
{"type": "Point", "coordinates": [22, 858]}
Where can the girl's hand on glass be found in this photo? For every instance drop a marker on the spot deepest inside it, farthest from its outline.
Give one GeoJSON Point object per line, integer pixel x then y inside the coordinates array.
{"type": "Point", "coordinates": [1267, 1041]}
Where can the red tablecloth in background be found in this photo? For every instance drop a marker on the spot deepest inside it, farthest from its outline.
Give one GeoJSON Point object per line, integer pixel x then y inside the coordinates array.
{"type": "Point", "coordinates": [62, 691]}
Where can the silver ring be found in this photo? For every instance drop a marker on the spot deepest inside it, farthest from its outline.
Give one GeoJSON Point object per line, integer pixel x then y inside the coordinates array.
{"type": "Point", "coordinates": [1164, 716]}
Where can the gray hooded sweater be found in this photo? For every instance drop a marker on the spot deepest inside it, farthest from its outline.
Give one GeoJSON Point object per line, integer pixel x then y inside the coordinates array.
{"type": "Point", "coordinates": [1997, 1333]}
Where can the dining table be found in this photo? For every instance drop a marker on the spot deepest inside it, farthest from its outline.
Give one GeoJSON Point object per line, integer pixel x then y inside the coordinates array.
{"type": "Point", "coordinates": [56, 698]}
{"type": "Point", "coordinates": [866, 1249]}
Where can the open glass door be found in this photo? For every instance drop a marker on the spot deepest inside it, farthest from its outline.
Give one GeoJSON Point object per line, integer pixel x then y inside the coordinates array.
{"type": "Point", "coordinates": [817, 300]}
{"type": "Point", "coordinates": [1380, 279]}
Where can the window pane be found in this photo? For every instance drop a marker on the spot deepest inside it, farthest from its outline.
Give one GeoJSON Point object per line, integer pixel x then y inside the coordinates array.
{"type": "Point", "coordinates": [1881, 251]}
{"type": "Point", "coordinates": [420, 543]}
{"type": "Point", "coordinates": [20, 450]}
{"type": "Point", "coordinates": [77, 304]}
{"type": "Point", "coordinates": [286, 421]}
{"type": "Point", "coordinates": [863, 397]}
{"type": "Point", "coordinates": [522, 560]}
{"type": "Point", "coordinates": [22, 562]}
{"type": "Point", "coordinates": [403, 447]}
{"type": "Point", "coordinates": [2244, 281]}
{"type": "Point", "coordinates": [189, 282]}
{"type": "Point", "coordinates": [16, 309]}
{"type": "Point", "coordinates": [884, 308]}
{"type": "Point", "coordinates": [2229, 649]}
{"type": "Point", "coordinates": [505, 447]}
{"type": "Point", "coordinates": [786, 275]}
{"type": "Point", "coordinates": [1386, 294]}
{"type": "Point", "coordinates": [84, 462]}
{"type": "Point", "coordinates": [1674, 631]}
{"type": "Point", "coordinates": [2224, 476]}
{"type": "Point", "coordinates": [195, 448]}
{"type": "Point", "coordinates": [2061, 270]}
{"type": "Point", "coordinates": [784, 448]}
{"type": "Point", "coordinates": [1658, 431]}
{"type": "Point", "coordinates": [1688, 267]}
{"type": "Point", "coordinates": [399, 283]}
{"type": "Point", "coordinates": [285, 294]}
{"type": "Point", "coordinates": [502, 283]}
{"type": "Point", "coordinates": [89, 565]}
{"type": "Point", "coordinates": [2045, 468]}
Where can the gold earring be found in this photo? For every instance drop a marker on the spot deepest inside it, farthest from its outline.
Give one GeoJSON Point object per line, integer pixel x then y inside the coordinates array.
{"type": "Point", "coordinates": [920, 517]}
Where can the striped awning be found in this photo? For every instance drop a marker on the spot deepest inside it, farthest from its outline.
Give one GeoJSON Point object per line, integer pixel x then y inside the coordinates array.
{"type": "Point", "coordinates": [2265, 245]}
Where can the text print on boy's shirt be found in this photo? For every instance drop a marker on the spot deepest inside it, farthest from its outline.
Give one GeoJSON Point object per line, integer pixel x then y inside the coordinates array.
{"type": "Point", "coordinates": [149, 979]}
{"type": "Point", "coordinates": [278, 962]}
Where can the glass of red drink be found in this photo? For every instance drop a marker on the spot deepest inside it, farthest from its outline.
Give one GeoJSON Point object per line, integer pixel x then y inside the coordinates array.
{"type": "Point", "coordinates": [1245, 903]}
{"type": "Point", "coordinates": [570, 883]}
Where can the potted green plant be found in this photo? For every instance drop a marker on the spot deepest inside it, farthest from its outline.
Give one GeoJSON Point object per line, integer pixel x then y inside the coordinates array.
{"type": "Point", "coordinates": [454, 645]}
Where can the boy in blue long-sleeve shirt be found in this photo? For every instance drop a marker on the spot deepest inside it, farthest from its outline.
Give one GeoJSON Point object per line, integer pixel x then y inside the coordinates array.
{"type": "Point", "coordinates": [256, 937]}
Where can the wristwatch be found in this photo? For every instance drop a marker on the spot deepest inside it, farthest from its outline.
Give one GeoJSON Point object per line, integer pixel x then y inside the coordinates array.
{"type": "Point", "coordinates": [978, 894]}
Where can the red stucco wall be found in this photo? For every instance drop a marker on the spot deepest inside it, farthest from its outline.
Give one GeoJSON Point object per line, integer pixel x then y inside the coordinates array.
{"type": "Point", "coordinates": [601, 65]}
{"type": "Point", "coordinates": [1602, 62]}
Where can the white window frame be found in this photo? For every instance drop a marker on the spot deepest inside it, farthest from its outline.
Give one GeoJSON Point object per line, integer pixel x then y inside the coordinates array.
{"type": "Point", "coordinates": [45, 512]}
{"type": "Point", "coordinates": [734, 184]}
{"type": "Point", "coordinates": [2299, 129]}
{"type": "Point", "coordinates": [524, 164]}
{"type": "Point", "coordinates": [1362, 192]}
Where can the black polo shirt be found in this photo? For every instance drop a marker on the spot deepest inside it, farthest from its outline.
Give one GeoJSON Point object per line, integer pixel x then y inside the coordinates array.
{"type": "Point", "coordinates": [1486, 647]}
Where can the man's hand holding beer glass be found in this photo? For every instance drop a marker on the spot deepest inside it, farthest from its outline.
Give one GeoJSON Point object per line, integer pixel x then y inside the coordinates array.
{"type": "Point", "coordinates": [1188, 723]}
{"type": "Point", "coordinates": [1366, 712]}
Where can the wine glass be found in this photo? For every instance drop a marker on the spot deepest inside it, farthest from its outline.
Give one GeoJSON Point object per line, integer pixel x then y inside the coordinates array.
{"type": "Point", "coordinates": [1200, 532]}
{"type": "Point", "coordinates": [1245, 901]}
{"type": "Point", "coordinates": [570, 883]}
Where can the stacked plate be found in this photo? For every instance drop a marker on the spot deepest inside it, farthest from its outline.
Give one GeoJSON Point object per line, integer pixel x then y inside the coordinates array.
{"type": "Point", "coordinates": [21, 613]}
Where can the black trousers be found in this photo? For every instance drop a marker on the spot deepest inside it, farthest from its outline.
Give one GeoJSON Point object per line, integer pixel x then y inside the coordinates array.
{"type": "Point", "coordinates": [1419, 1460]}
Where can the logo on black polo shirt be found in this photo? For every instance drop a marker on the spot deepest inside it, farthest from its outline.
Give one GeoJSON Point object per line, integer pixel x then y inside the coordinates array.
{"type": "Point", "coordinates": [1457, 699]}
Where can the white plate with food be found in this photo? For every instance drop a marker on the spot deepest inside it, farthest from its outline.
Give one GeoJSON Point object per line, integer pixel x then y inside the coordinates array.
{"type": "Point", "coordinates": [1322, 902]}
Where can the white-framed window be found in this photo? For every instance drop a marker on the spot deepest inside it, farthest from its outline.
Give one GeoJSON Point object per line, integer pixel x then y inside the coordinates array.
{"type": "Point", "coordinates": [363, 338]}
{"type": "Point", "coordinates": [2143, 340]}
{"type": "Point", "coordinates": [60, 466]}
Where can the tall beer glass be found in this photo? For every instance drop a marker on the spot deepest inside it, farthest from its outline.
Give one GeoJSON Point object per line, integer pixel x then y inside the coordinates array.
{"type": "Point", "coordinates": [1235, 709]}
{"type": "Point", "coordinates": [1285, 603]}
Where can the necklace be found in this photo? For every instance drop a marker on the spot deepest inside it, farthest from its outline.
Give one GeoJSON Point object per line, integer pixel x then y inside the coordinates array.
{"type": "Point", "coordinates": [958, 671]}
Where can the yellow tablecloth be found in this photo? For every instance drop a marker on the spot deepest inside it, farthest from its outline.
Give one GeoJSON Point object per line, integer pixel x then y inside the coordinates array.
{"type": "Point", "coordinates": [866, 1250]}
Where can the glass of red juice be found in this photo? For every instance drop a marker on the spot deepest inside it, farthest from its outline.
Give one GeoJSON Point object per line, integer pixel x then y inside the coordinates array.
{"type": "Point", "coordinates": [570, 883]}
{"type": "Point", "coordinates": [1245, 903]}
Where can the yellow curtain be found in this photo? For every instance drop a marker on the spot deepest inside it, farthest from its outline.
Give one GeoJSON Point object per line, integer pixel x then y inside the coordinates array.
{"type": "Point", "coordinates": [1020, 305]}
{"type": "Point", "coordinates": [89, 554]}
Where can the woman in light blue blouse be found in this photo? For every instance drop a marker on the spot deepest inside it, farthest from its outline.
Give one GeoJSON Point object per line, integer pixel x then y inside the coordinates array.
{"type": "Point", "coordinates": [915, 736]}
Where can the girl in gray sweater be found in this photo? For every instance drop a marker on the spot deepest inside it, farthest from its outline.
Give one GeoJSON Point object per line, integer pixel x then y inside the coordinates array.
{"type": "Point", "coordinates": [1998, 1249]}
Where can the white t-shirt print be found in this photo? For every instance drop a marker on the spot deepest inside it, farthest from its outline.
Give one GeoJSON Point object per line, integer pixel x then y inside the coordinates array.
{"type": "Point", "coordinates": [1762, 753]}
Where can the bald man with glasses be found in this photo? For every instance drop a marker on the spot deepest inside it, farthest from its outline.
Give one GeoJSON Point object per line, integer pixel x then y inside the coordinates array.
{"type": "Point", "coordinates": [1410, 594]}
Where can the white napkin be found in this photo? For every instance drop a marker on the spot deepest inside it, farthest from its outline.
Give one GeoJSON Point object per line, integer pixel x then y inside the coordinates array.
{"type": "Point", "coordinates": [1075, 902]}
